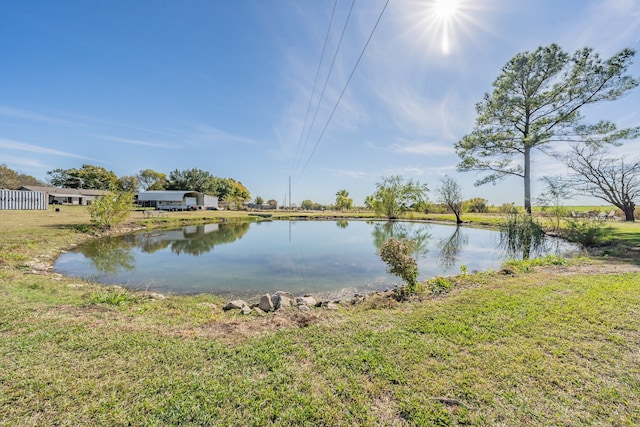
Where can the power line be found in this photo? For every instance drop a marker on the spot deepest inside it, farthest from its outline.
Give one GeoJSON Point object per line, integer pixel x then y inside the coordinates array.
{"type": "Point", "coordinates": [326, 81]}
{"type": "Point", "coordinates": [335, 107]}
{"type": "Point", "coordinates": [313, 91]}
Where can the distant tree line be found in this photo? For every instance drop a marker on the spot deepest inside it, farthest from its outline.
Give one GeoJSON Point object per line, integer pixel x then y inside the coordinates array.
{"type": "Point", "coordinates": [92, 177]}
{"type": "Point", "coordinates": [12, 180]}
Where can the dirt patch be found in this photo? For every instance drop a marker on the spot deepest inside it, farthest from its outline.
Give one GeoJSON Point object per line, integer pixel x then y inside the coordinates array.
{"type": "Point", "coordinates": [596, 267]}
{"type": "Point", "coordinates": [239, 329]}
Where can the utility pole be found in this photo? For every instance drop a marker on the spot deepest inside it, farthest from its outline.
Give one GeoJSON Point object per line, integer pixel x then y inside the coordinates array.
{"type": "Point", "coordinates": [289, 191]}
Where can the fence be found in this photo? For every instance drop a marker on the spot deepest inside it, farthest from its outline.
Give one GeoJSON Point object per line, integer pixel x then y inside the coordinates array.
{"type": "Point", "coordinates": [22, 200]}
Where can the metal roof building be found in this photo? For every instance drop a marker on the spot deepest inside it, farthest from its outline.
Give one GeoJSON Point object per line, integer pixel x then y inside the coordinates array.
{"type": "Point", "coordinates": [72, 196]}
{"type": "Point", "coordinates": [173, 200]}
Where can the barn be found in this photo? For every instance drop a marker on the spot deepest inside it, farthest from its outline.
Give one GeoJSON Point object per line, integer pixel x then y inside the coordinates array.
{"type": "Point", "coordinates": [177, 200]}
{"type": "Point", "coordinates": [22, 200]}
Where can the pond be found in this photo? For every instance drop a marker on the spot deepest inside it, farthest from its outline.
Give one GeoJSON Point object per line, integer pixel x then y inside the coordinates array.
{"type": "Point", "coordinates": [248, 259]}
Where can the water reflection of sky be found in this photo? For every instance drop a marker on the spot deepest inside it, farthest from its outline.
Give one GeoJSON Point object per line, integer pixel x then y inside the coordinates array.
{"type": "Point", "coordinates": [298, 256]}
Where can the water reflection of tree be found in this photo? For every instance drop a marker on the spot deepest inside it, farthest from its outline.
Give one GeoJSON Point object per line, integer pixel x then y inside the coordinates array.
{"type": "Point", "coordinates": [199, 242]}
{"type": "Point", "coordinates": [110, 254]}
{"type": "Point", "coordinates": [113, 254]}
{"type": "Point", "coordinates": [151, 242]}
{"type": "Point", "coordinates": [418, 233]}
{"type": "Point", "coordinates": [342, 223]}
{"type": "Point", "coordinates": [450, 247]}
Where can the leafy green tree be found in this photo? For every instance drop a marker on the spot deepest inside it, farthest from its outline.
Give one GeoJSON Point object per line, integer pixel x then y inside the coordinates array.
{"type": "Point", "coordinates": [306, 205]}
{"type": "Point", "coordinates": [87, 177]}
{"type": "Point", "coordinates": [536, 103]}
{"type": "Point", "coordinates": [476, 205]}
{"type": "Point", "coordinates": [239, 190]}
{"type": "Point", "coordinates": [450, 194]}
{"type": "Point", "coordinates": [395, 196]}
{"type": "Point", "coordinates": [152, 180]}
{"type": "Point", "coordinates": [111, 209]}
{"type": "Point", "coordinates": [232, 192]}
{"type": "Point", "coordinates": [369, 202]}
{"type": "Point", "coordinates": [13, 180]}
{"type": "Point", "coordinates": [343, 201]}
{"type": "Point", "coordinates": [193, 179]}
{"type": "Point", "coordinates": [129, 183]}
{"type": "Point", "coordinates": [259, 200]}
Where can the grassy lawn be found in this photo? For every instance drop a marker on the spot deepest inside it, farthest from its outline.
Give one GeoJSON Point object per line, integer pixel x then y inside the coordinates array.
{"type": "Point", "coordinates": [557, 345]}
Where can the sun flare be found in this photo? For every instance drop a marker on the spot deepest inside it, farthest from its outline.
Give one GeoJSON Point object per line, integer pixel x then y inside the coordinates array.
{"type": "Point", "coordinates": [445, 10]}
{"type": "Point", "coordinates": [444, 24]}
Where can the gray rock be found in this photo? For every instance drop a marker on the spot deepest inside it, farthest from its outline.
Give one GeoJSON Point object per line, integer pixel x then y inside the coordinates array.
{"type": "Point", "coordinates": [332, 306]}
{"type": "Point", "coordinates": [303, 307]}
{"type": "Point", "coordinates": [246, 309]}
{"type": "Point", "coordinates": [282, 299]}
{"type": "Point", "coordinates": [308, 301]}
{"type": "Point", "coordinates": [236, 305]}
{"type": "Point", "coordinates": [259, 311]}
{"type": "Point", "coordinates": [266, 303]}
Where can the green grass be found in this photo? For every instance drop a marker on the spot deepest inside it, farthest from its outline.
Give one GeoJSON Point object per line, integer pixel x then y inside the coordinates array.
{"type": "Point", "coordinates": [535, 347]}
{"type": "Point", "coordinates": [536, 351]}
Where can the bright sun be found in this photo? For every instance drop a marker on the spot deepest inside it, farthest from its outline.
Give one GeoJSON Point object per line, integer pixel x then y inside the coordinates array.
{"type": "Point", "coordinates": [442, 25]}
{"type": "Point", "coordinates": [445, 9]}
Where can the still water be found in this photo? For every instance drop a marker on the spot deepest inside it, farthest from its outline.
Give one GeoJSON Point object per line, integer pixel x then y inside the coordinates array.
{"type": "Point", "coordinates": [248, 259]}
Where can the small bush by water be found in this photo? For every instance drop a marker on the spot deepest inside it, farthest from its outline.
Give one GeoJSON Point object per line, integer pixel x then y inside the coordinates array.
{"type": "Point", "coordinates": [587, 232]}
{"type": "Point", "coordinates": [397, 255]}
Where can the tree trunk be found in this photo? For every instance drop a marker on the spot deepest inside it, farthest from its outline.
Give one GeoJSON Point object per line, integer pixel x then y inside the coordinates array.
{"type": "Point", "coordinates": [527, 179]}
{"type": "Point", "coordinates": [629, 214]}
{"type": "Point", "coordinates": [458, 220]}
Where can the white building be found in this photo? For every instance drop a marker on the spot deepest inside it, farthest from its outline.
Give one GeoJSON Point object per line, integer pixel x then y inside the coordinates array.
{"type": "Point", "coordinates": [177, 200]}
{"type": "Point", "coordinates": [66, 196]}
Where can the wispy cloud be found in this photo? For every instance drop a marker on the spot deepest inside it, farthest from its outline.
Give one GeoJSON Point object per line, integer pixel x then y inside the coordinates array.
{"type": "Point", "coordinates": [207, 133]}
{"type": "Point", "coordinates": [422, 148]}
{"type": "Point", "coordinates": [406, 171]}
{"type": "Point", "coordinates": [18, 113]}
{"type": "Point", "coordinates": [589, 33]}
{"type": "Point", "coordinates": [21, 146]}
{"type": "Point", "coordinates": [28, 162]}
{"type": "Point", "coordinates": [137, 142]}
{"type": "Point", "coordinates": [346, 173]}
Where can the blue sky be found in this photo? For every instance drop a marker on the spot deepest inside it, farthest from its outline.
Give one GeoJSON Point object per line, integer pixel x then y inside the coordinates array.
{"type": "Point", "coordinates": [230, 86]}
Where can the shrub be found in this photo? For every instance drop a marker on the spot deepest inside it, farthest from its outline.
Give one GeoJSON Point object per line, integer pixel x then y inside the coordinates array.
{"type": "Point", "coordinates": [522, 234]}
{"type": "Point", "coordinates": [397, 255]}
{"type": "Point", "coordinates": [587, 232]}
{"type": "Point", "coordinates": [476, 205]}
{"type": "Point", "coordinates": [508, 208]}
{"type": "Point", "coordinates": [111, 209]}
{"type": "Point", "coordinates": [439, 285]}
